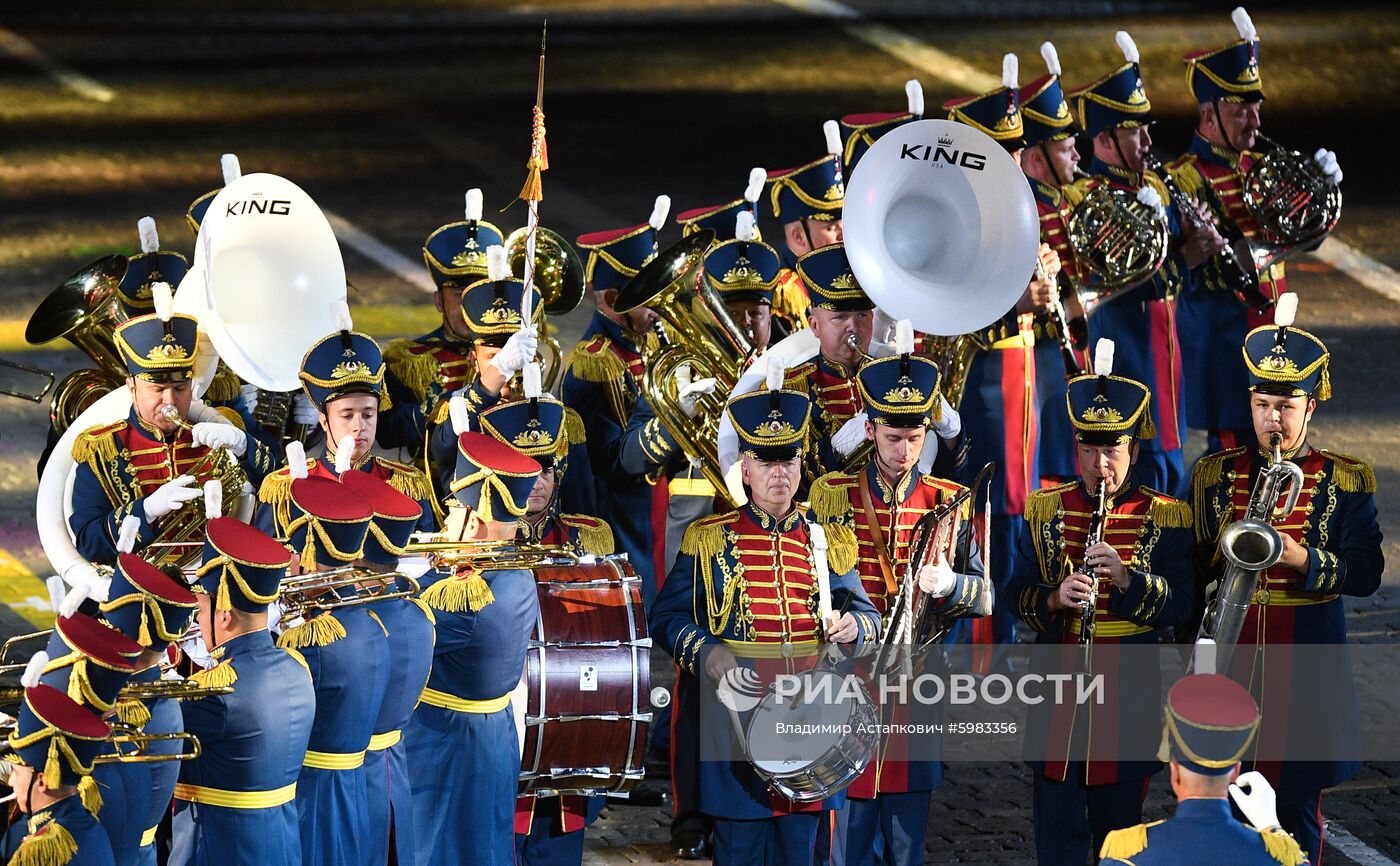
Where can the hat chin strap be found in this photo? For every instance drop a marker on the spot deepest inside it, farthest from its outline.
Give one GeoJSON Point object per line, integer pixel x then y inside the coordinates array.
{"type": "Point", "coordinates": [1220, 124]}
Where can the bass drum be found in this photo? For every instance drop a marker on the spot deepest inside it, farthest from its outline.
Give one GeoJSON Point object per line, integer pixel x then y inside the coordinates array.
{"type": "Point", "coordinates": [588, 681]}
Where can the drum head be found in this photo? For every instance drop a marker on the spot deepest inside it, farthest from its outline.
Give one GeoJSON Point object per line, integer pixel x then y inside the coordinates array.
{"type": "Point", "coordinates": [789, 735]}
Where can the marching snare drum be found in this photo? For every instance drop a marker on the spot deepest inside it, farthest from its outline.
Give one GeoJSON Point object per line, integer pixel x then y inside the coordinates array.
{"type": "Point", "coordinates": [588, 677]}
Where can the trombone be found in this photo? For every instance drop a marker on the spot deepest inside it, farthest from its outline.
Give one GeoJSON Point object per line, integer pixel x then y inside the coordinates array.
{"type": "Point", "coordinates": [127, 735]}
{"type": "Point", "coordinates": [349, 585]}
{"type": "Point", "coordinates": [34, 394]}
{"type": "Point", "coordinates": [492, 555]}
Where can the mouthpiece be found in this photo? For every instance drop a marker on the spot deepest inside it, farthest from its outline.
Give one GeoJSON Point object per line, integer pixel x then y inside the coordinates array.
{"type": "Point", "coordinates": [171, 414]}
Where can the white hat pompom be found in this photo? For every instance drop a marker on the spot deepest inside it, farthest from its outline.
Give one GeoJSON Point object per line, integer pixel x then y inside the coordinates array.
{"type": "Point", "coordinates": [744, 228]}
{"type": "Point", "coordinates": [497, 263]}
{"type": "Point", "coordinates": [1286, 310]}
{"type": "Point", "coordinates": [345, 454]}
{"type": "Point", "coordinates": [904, 337]}
{"type": "Point", "coordinates": [340, 316]}
{"type": "Point", "coordinates": [150, 239]}
{"type": "Point", "coordinates": [1103, 357]}
{"type": "Point", "coordinates": [832, 131]}
{"type": "Point", "coordinates": [296, 460]}
{"type": "Point", "coordinates": [1052, 57]}
{"type": "Point", "coordinates": [1244, 24]}
{"type": "Point", "coordinates": [213, 499]}
{"type": "Point", "coordinates": [758, 176]}
{"type": "Point", "coordinates": [777, 371]}
{"type": "Point", "coordinates": [473, 205]}
{"type": "Point", "coordinates": [659, 210]}
{"type": "Point", "coordinates": [914, 94]}
{"type": "Point", "coordinates": [1010, 69]}
{"type": "Point", "coordinates": [532, 380]}
{"type": "Point", "coordinates": [164, 300]}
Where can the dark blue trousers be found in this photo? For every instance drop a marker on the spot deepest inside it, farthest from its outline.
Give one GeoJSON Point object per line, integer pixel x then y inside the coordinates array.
{"type": "Point", "coordinates": [1072, 819]}
{"type": "Point", "coordinates": [888, 830]}
{"type": "Point", "coordinates": [784, 841]}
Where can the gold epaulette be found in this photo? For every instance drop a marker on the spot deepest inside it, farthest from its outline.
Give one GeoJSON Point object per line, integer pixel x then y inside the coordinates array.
{"type": "Point", "coordinates": [276, 488]}
{"type": "Point", "coordinates": [799, 374]}
{"type": "Point", "coordinates": [318, 631]}
{"type": "Point", "coordinates": [1183, 172]}
{"type": "Point", "coordinates": [594, 536]}
{"type": "Point", "coordinates": [1283, 848]}
{"type": "Point", "coordinates": [232, 416]}
{"type": "Point", "coordinates": [1075, 192]}
{"type": "Point", "coordinates": [298, 658]}
{"type": "Point", "coordinates": [219, 676]}
{"type": "Point", "coordinates": [1167, 510]}
{"type": "Point", "coordinates": [1210, 469]}
{"type": "Point", "coordinates": [1126, 842]}
{"type": "Point", "coordinates": [1351, 474]}
{"type": "Point", "coordinates": [459, 594]}
{"type": "Point", "coordinates": [1155, 182]}
{"type": "Point", "coordinates": [97, 443]}
{"type": "Point", "coordinates": [1041, 505]}
{"type": "Point", "coordinates": [49, 845]}
{"type": "Point", "coordinates": [593, 361]}
{"type": "Point", "coordinates": [133, 712]}
{"type": "Point", "coordinates": [405, 478]}
{"type": "Point", "coordinates": [949, 489]}
{"type": "Point", "coordinates": [574, 430]}
{"type": "Point", "coordinates": [704, 539]}
{"type": "Point", "coordinates": [416, 370]}
{"type": "Point", "coordinates": [830, 496]}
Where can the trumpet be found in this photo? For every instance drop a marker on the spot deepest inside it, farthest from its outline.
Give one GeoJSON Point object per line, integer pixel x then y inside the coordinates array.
{"type": "Point", "coordinates": [127, 735]}
{"type": "Point", "coordinates": [5, 665]}
{"type": "Point", "coordinates": [174, 689]}
{"type": "Point", "coordinates": [492, 555]}
{"type": "Point", "coordinates": [333, 588]}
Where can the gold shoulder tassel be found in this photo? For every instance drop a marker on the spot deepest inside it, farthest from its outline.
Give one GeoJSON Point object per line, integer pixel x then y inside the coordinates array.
{"type": "Point", "coordinates": [320, 630]}
{"type": "Point", "coordinates": [219, 676]}
{"type": "Point", "coordinates": [89, 794]}
{"type": "Point", "coordinates": [134, 712]}
{"type": "Point", "coordinates": [459, 594]}
{"type": "Point", "coordinates": [416, 371]}
{"type": "Point", "coordinates": [1124, 843]}
{"type": "Point", "coordinates": [1283, 848]}
{"type": "Point", "coordinates": [51, 845]}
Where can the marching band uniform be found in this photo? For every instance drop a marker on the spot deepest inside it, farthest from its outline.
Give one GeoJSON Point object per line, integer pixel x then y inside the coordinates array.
{"type": "Point", "coordinates": [771, 609]}
{"type": "Point", "coordinates": [60, 738]}
{"type": "Point", "coordinates": [1151, 533]}
{"type": "Point", "coordinates": [347, 653]}
{"type": "Point", "coordinates": [830, 386]}
{"type": "Point", "coordinates": [408, 625]}
{"type": "Point", "coordinates": [122, 463]}
{"type": "Point", "coordinates": [1335, 522]}
{"type": "Point", "coordinates": [234, 803]}
{"type": "Point", "coordinates": [1211, 720]}
{"type": "Point", "coordinates": [152, 265]}
{"type": "Point", "coordinates": [152, 609]}
{"type": "Point", "coordinates": [1212, 321]}
{"type": "Point", "coordinates": [869, 524]}
{"type": "Point", "coordinates": [346, 362]}
{"type": "Point", "coordinates": [1141, 321]}
{"type": "Point", "coordinates": [427, 370]}
{"type": "Point", "coordinates": [602, 383]}
{"type": "Point", "coordinates": [1045, 117]}
{"type": "Point", "coordinates": [463, 751]}
{"type": "Point", "coordinates": [813, 191]}
{"type": "Point", "coordinates": [743, 270]}
{"type": "Point", "coordinates": [1000, 405]}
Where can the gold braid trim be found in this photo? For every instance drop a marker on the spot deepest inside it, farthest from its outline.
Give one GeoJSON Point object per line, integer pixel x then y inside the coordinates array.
{"type": "Point", "coordinates": [1350, 474]}
{"type": "Point", "coordinates": [232, 417]}
{"type": "Point", "coordinates": [1041, 505]}
{"type": "Point", "coordinates": [1124, 843]}
{"type": "Point", "coordinates": [1208, 472]}
{"type": "Point", "coordinates": [599, 366]}
{"type": "Point", "coordinates": [459, 594]}
{"type": "Point", "coordinates": [704, 539]}
{"type": "Point", "coordinates": [1283, 848]}
{"type": "Point", "coordinates": [594, 536]}
{"type": "Point", "coordinates": [1168, 512]}
{"type": "Point", "coordinates": [98, 443]}
{"type": "Point", "coordinates": [842, 548]}
{"type": "Point", "coordinates": [90, 796]}
{"type": "Point", "coordinates": [427, 611]}
{"type": "Point", "coordinates": [443, 412]}
{"type": "Point", "coordinates": [1188, 180]}
{"type": "Point", "coordinates": [133, 711]}
{"type": "Point", "coordinates": [52, 846]}
{"type": "Point", "coordinates": [573, 428]}
{"type": "Point", "coordinates": [219, 676]}
{"type": "Point", "coordinates": [406, 479]}
{"type": "Point", "coordinates": [830, 497]}
{"type": "Point", "coordinates": [298, 658]}
{"type": "Point", "coordinates": [417, 372]}
{"type": "Point", "coordinates": [225, 386]}
{"type": "Point", "coordinates": [322, 630]}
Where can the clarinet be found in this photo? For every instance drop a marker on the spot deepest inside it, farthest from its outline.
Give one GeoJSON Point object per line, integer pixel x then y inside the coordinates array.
{"type": "Point", "coordinates": [1060, 319]}
{"type": "Point", "coordinates": [1094, 536]}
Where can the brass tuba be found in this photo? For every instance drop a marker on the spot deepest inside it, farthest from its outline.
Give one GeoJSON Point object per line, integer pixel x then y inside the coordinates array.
{"type": "Point", "coordinates": [86, 311]}
{"type": "Point", "coordinates": [698, 332]}
{"type": "Point", "coordinates": [1293, 203]}
{"type": "Point", "coordinates": [1120, 240]}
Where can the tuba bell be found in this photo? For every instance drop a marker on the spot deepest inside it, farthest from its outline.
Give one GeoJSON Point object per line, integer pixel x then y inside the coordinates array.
{"type": "Point", "coordinates": [699, 332]}
{"type": "Point", "coordinates": [558, 275]}
{"type": "Point", "coordinates": [85, 310]}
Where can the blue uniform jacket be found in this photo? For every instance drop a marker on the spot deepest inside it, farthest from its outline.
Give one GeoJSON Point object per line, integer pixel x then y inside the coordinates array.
{"type": "Point", "coordinates": [1202, 831]}
{"type": "Point", "coordinates": [70, 815]}
{"type": "Point", "coordinates": [253, 740]}
{"type": "Point", "coordinates": [463, 750]}
{"type": "Point", "coordinates": [119, 465]}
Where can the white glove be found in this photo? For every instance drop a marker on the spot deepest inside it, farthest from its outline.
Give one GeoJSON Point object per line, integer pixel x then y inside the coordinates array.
{"type": "Point", "coordinates": [171, 495]}
{"type": "Point", "coordinates": [1148, 196]}
{"type": "Point", "coordinates": [250, 396]}
{"type": "Point", "coordinates": [850, 435]}
{"type": "Point", "coordinates": [688, 394]}
{"type": "Point", "coordinates": [1327, 161]}
{"type": "Point", "coordinates": [212, 434]}
{"type": "Point", "coordinates": [518, 351]}
{"type": "Point", "coordinates": [937, 579]}
{"type": "Point", "coordinates": [950, 423]}
{"type": "Point", "coordinates": [1255, 797]}
{"type": "Point", "coordinates": [198, 652]}
{"type": "Point", "coordinates": [304, 411]}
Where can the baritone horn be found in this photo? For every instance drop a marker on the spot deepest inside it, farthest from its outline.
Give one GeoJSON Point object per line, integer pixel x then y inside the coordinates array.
{"type": "Point", "coordinates": [696, 331]}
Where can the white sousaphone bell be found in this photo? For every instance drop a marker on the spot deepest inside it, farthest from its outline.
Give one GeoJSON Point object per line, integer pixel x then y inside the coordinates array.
{"type": "Point", "coordinates": [940, 227]}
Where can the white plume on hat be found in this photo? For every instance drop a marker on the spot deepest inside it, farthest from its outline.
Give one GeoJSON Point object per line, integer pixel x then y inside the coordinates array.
{"type": "Point", "coordinates": [126, 535]}
{"type": "Point", "coordinates": [345, 454]}
{"type": "Point", "coordinates": [340, 316]}
{"type": "Point", "coordinates": [473, 205]}
{"type": "Point", "coordinates": [34, 670]}
{"type": "Point", "coordinates": [1244, 24]}
{"type": "Point", "coordinates": [457, 412]}
{"type": "Point", "coordinates": [744, 228]}
{"type": "Point", "coordinates": [497, 264]}
{"type": "Point", "coordinates": [296, 460]}
{"type": "Point", "coordinates": [532, 381]}
{"type": "Point", "coordinates": [213, 499]}
{"type": "Point", "coordinates": [1127, 46]}
{"type": "Point", "coordinates": [777, 371]}
{"type": "Point", "coordinates": [1052, 57]}
{"type": "Point", "coordinates": [659, 212]}
{"type": "Point", "coordinates": [1103, 357]}
{"type": "Point", "coordinates": [164, 300]}
{"type": "Point", "coordinates": [232, 170]}
{"type": "Point", "coordinates": [832, 131]}
{"type": "Point", "coordinates": [1010, 67]}
{"type": "Point", "coordinates": [914, 93]}
{"type": "Point", "coordinates": [1286, 310]}
{"type": "Point", "coordinates": [758, 176]}
{"type": "Point", "coordinates": [150, 239]}
{"type": "Point", "coordinates": [904, 337]}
